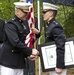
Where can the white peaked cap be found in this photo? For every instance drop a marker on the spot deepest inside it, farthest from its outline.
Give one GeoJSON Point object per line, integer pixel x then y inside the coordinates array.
{"type": "Point", "coordinates": [48, 6]}
{"type": "Point", "coordinates": [22, 5]}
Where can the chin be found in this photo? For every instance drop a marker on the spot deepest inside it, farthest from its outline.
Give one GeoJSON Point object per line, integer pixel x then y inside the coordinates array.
{"type": "Point", "coordinates": [24, 19]}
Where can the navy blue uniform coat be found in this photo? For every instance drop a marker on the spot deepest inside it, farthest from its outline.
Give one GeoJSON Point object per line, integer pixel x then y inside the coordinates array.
{"type": "Point", "coordinates": [14, 50]}
{"type": "Point", "coordinates": [55, 32]}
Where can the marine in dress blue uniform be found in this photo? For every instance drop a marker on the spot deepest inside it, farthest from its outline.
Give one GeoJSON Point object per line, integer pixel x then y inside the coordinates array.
{"type": "Point", "coordinates": [14, 50]}
{"type": "Point", "coordinates": [2, 23]}
{"type": "Point", "coordinates": [54, 32]}
{"type": "Point", "coordinates": [30, 65]}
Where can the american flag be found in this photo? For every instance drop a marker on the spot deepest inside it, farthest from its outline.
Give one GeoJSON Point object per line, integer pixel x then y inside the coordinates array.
{"type": "Point", "coordinates": [30, 37]}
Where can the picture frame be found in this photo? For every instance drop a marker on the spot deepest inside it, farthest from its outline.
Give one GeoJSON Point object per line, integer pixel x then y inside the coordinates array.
{"type": "Point", "coordinates": [48, 55]}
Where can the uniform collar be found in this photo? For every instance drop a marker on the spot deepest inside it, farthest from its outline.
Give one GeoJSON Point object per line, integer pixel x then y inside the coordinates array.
{"type": "Point", "coordinates": [50, 21]}
{"type": "Point", "coordinates": [18, 19]}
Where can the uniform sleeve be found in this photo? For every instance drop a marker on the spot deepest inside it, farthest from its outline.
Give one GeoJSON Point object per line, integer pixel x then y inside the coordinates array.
{"type": "Point", "coordinates": [2, 23]}
{"type": "Point", "coordinates": [59, 38]}
{"type": "Point", "coordinates": [13, 37]}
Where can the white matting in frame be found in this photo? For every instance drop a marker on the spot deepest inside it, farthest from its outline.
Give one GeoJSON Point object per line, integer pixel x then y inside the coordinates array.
{"type": "Point", "coordinates": [48, 55]}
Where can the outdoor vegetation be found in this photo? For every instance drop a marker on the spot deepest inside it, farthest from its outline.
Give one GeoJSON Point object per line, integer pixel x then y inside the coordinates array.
{"type": "Point", "coordinates": [65, 16]}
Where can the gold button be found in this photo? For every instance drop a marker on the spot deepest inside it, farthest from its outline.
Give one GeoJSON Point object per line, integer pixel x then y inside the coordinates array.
{"type": "Point", "coordinates": [12, 50]}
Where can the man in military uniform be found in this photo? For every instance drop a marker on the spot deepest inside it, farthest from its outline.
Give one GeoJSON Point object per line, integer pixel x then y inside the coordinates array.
{"type": "Point", "coordinates": [30, 65]}
{"type": "Point", "coordinates": [2, 23]}
{"type": "Point", "coordinates": [14, 50]}
{"type": "Point", "coordinates": [55, 32]}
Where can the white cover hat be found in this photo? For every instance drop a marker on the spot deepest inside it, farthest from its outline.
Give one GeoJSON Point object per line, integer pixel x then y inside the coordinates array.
{"type": "Point", "coordinates": [22, 5]}
{"type": "Point", "coordinates": [48, 6]}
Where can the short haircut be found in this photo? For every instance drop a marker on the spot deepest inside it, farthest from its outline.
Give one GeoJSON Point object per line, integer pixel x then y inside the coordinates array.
{"type": "Point", "coordinates": [54, 13]}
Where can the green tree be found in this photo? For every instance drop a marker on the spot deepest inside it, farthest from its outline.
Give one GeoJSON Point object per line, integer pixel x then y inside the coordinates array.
{"type": "Point", "coordinates": [69, 23]}
{"type": "Point", "coordinates": [6, 9]}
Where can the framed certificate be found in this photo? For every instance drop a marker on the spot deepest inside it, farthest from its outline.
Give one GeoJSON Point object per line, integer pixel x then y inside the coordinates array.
{"type": "Point", "coordinates": [48, 55]}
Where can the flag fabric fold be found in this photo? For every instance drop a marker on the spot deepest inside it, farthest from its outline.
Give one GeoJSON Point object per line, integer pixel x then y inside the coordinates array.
{"type": "Point", "coordinates": [30, 37]}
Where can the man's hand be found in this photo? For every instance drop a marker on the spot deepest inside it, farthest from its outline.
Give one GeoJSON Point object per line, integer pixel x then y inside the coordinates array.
{"type": "Point", "coordinates": [34, 30]}
{"type": "Point", "coordinates": [35, 52]}
{"type": "Point", "coordinates": [58, 70]}
{"type": "Point", "coordinates": [32, 57]}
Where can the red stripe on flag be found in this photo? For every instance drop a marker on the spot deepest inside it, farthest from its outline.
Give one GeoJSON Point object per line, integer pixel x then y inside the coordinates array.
{"type": "Point", "coordinates": [30, 37]}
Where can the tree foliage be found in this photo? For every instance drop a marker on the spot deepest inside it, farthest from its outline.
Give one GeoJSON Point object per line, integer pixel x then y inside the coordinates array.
{"type": "Point", "coordinates": [6, 9]}
{"type": "Point", "coordinates": [66, 18]}
{"type": "Point", "coordinates": [69, 23]}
